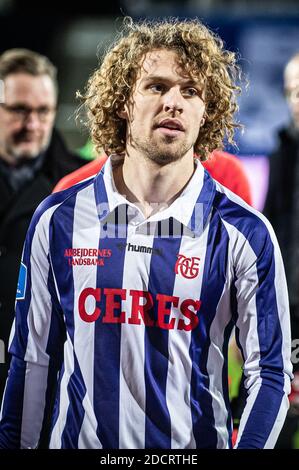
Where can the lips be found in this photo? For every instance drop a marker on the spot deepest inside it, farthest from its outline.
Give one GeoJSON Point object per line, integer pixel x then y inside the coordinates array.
{"type": "Point", "coordinates": [173, 124]}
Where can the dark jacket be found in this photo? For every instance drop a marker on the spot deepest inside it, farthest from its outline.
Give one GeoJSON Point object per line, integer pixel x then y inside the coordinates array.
{"type": "Point", "coordinates": [282, 205]}
{"type": "Point", "coordinates": [16, 210]}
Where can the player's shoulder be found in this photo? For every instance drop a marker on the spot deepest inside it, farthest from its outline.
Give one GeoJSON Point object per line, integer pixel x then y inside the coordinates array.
{"type": "Point", "coordinates": [55, 201]}
{"type": "Point", "coordinates": [236, 212]}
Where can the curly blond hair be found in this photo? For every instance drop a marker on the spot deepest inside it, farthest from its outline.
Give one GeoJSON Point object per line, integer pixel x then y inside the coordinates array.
{"type": "Point", "coordinates": [200, 53]}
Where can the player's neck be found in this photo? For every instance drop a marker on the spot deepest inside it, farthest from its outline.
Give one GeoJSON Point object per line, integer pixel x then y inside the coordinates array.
{"type": "Point", "coordinates": [152, 185]}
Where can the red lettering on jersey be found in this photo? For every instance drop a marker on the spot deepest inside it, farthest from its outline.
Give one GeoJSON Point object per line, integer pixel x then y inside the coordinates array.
{"type": "Point", "coordinates": [142, 310]}
{"type": "Point", "coordinates": [191, 315]}
{"type": "Point", "coordinates": [112, 305]}
{"type": "Point", "coordinates": [142, 303]}
{"type": "Point", "coordinates": [165, 311]}
{"type": "Point", "coordinates": [96, 293]}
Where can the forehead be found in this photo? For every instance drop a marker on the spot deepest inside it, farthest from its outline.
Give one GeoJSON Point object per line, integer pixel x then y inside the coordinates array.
{"type": "Point", "coordinates": [162, 62]}
{"type": "Point", "coordinates": [26, 88]}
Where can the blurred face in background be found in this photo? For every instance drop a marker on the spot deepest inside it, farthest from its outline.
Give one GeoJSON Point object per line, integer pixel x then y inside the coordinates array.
{"type": "Point", "coordinates": [27, 116]}
{"type": "Point", "coordinates": [291, 85]}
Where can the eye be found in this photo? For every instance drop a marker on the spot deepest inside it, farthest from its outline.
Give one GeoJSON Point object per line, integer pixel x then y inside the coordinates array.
{"type": "Point", "coordinates": [43, 111]}
{"type": "Point", "coordinates": [19, 109]}
{"type": "Point", "coordinates": [190, 91]}
{"type": "Point", "coordinates": [157, 87]}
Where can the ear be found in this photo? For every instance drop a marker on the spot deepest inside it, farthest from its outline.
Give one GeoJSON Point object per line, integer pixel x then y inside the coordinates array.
{"type": "Point", "coordinates": [123, 112]}
{"type": "Point", "coordinates": [202, 121]}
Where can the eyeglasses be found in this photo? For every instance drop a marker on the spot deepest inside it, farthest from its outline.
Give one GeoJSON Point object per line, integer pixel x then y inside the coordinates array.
{"type": "Point", "coordinates": [21, 113]}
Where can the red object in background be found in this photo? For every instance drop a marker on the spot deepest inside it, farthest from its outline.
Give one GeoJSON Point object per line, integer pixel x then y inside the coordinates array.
{"type": "Point", "coordinates": [228, 170]}
{"type": "Point", "coordinates": [234, 436]}
{"type": "Point", "coordinates": [222, 166]}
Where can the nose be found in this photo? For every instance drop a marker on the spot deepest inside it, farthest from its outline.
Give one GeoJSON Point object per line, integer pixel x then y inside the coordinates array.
{"type": "Point", "coordinates": [32, 121]}
{"type": "Point", "coordinates": [173, 100]}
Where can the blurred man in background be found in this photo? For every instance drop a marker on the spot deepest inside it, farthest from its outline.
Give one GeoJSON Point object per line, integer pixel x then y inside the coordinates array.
{"type": "Point", "coordinates": [33, 158]}
{"type": "Point", "coordinates": [282, 208]}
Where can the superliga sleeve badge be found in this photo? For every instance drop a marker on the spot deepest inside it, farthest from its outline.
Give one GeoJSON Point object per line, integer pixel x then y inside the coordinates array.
{"type": "Point", "coordinates": [21, 288]}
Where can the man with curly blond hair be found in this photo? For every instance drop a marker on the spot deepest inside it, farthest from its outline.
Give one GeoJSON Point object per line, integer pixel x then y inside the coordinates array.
{"type": "Point", "coordinates": [200, 56]}
{"type": "Point", "coordinates": [131, 281]}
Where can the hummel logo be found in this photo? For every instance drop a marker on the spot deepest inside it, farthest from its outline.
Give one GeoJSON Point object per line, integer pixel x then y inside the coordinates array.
{"type": "Point", "coordinates": [139, 248]}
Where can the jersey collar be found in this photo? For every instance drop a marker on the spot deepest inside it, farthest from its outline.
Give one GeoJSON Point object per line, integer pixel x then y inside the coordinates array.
{"type": "Point", "coordinates": [191, 208]}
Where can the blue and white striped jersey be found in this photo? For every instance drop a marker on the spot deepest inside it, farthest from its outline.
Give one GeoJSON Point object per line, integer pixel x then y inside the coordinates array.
{"type": "Point", "coordinates": [128, 320]}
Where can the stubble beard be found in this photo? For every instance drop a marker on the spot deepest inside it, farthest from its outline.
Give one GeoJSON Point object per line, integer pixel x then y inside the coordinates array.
{"type": "Point", "coordinates": [162, 153]}
{"type": "Point", "coordinates": [21, 154]}
{"type": "Point", "coordinates": [14, 155]}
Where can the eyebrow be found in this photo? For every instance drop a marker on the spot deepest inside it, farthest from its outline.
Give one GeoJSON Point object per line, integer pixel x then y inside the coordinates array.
{"type": "Point", "coordinates": [160, 78]}
{"type": "Point", "coordinates": [22, 104]}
